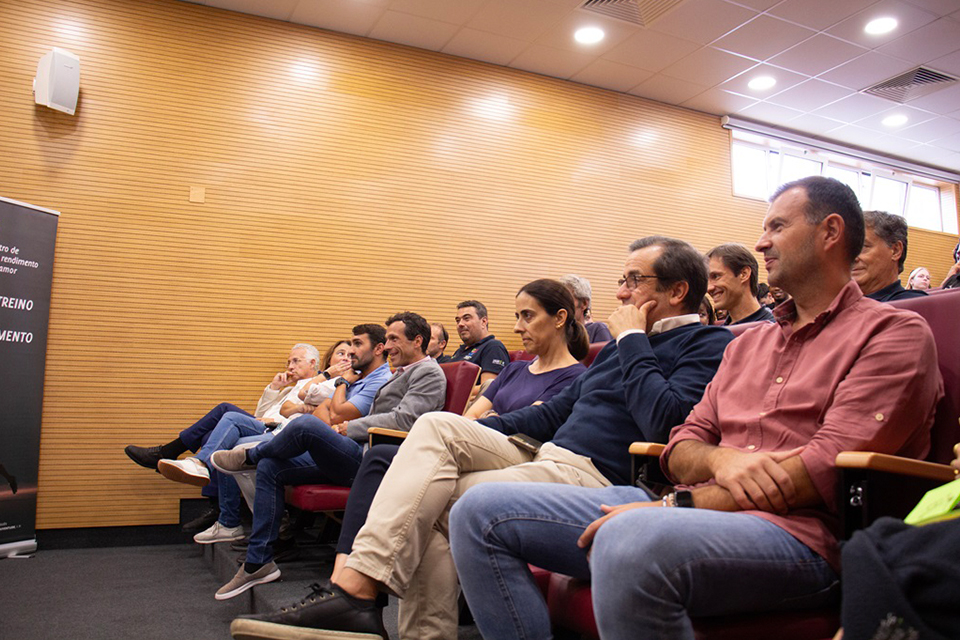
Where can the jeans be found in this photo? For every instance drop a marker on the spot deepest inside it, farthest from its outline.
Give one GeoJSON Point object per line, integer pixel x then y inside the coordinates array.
{"type": "Point", "coordinates": [374, 466]}
{"type": "Point", "coordinates": [196, 434]}
{"type": "Point", "coordinates": [231, 427]}
{"type": "Point", "coordinates": [651, 568]}
{"type": "Point", "coordinates": [230, 494]}
{"type": "Point", "coordinates": [306, 451]}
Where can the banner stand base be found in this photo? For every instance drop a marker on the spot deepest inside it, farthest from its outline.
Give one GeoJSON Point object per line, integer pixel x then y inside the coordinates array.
{"type": "Point", "coordinates": [20, 548]}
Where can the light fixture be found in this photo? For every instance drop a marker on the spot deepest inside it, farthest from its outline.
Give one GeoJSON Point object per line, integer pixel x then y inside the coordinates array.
{"type": "Point", "coordinates": [762, 83]}
{"type": "Point", "coordinates": [880, 26]}
{"type": "Point", "coordinates": [896, 120]}
{"type": "Point", "coordinates": [589, 35]}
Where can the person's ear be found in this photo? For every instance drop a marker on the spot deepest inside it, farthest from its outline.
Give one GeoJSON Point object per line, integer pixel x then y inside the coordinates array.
{"type": "Point", "coordinates": [678, 292]}
{"type": "Point", "coordinates": [561, 318]}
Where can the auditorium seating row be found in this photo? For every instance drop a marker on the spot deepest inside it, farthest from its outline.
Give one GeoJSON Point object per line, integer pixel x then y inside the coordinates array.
{"type": "Point", "coordinates": [872, 485]}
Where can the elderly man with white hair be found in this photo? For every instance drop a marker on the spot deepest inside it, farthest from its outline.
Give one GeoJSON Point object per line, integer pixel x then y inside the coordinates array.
{"type": "Point", "coordinates": [579, 288]}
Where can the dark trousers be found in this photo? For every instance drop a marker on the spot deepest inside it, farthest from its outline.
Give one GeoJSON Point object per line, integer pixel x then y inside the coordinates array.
{"type": "Point", "coordinates": [375, 463]}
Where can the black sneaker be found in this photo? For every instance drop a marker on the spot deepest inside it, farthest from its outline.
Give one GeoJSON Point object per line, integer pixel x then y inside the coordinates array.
{"type": "Point", "coordinates": [144, 456]}
{"type": "Point", "coordinates": [327, 608]}
{"type": "Point", "coordinates": [203, 522]}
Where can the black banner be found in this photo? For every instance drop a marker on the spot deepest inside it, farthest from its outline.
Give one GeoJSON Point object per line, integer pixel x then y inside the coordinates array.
{"type": "Point", "coordinates": [27, 238]}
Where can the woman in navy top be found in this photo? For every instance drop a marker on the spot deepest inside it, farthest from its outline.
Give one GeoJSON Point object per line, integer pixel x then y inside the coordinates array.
{"type": "Point", "coordinates": [549, 330]}
{"type": "Point", "coordinates": [546, 324]}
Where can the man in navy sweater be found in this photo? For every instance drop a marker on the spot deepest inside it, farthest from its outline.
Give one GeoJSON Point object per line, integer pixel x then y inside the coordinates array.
{"type": "Point", "coordinates": [639, 387]}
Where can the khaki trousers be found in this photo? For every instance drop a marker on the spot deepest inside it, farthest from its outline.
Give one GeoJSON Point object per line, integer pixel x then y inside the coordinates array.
{"type": "Point", "coordinates": [404, 541]}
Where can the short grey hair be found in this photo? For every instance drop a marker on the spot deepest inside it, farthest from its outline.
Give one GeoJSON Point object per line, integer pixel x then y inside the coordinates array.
{"type": "Point", "coordinates": [312, 353]}
{"type": "Point", "coordinates": [578, 286]}
{"type": "Point", "coordinates": [890, 228]}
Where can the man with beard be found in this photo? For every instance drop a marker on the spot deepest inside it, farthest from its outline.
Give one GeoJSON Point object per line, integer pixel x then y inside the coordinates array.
{"type": "Point", "coordinates": [313, 451]}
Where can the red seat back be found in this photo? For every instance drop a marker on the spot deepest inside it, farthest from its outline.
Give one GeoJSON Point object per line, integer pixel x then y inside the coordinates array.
{"type": "Point", "coordinates": [942, 313]}
{"type": "Point", "coordinates": [595, 348]}
{"type": "Point", "coordinates": [520, 354]}
{"type": "Point", "coordinates": [461, 378]}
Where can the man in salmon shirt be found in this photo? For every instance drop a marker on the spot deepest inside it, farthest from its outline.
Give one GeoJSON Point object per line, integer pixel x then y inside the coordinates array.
{"type": "Point", "coordinates": [752, 525]}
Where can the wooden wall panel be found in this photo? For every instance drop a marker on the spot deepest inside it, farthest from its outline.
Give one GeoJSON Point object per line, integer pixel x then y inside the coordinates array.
{"type": "Point", "coordinates": [345, 179]}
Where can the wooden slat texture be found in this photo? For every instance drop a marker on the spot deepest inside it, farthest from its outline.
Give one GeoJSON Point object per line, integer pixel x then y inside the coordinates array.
{"type": "Point", "coordinates": [345, 179]}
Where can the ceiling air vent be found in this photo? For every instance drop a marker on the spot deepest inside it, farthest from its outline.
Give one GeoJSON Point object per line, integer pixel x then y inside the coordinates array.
{"type": "Point", "coordinates": [910, 85]}
{"type": "Point", "coordinates": [639, 12]}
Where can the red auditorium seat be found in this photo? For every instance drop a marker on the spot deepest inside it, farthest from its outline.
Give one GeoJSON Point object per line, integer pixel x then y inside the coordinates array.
{"type": "Point", "coordinates": [595, 348]}
{"type": "Point", "coordinates": [330, 498]}
{"type": "Point", "coordinates": [877, 484]}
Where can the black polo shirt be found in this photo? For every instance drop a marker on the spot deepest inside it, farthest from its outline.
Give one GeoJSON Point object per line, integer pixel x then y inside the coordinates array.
{"type": "Point", "coordinates": [895, 291]}
{"type": "Point", "coordinates": [489, 354]}
{"type": "Point", "coordinates": [760, 315]}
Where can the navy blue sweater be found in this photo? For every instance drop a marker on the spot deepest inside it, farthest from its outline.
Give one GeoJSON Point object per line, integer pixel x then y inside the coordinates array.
{"type": "Point", "coordinates": [638, 389]}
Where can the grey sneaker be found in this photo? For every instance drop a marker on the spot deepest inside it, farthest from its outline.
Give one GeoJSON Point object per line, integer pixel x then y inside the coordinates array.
{"type": "Point", "coordinates": [234, 460]}
{"type": "Point", "coordinates": [219, 533]}
{"type": "Point", "coordinates": [243, 581]}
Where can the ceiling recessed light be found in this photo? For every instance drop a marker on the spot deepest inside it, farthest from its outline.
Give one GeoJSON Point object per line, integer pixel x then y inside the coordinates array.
{"type": "Point", "coordinates": [762, 83]}
{"type": "Point", "coordinates": [589, 35]}
{"type": "Point", "coordinates": [896, 120]}
{"type": "Point", "coordinates": [880, 26]}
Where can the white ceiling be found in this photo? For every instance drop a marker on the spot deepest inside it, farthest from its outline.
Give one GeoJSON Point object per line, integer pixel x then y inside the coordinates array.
{"type": "Point", "coordinates": [699, 55]}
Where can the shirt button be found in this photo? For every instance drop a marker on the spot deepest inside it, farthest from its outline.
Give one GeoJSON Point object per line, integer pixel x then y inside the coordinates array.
{"type": "Point", "coordinates": [763, 414]}
{"type": "Point", "coordinates": [779, 379]}
{"type": "Point", "coordinates": [751, 447]}
{"type": "Point", "coordinates": [879, 417]}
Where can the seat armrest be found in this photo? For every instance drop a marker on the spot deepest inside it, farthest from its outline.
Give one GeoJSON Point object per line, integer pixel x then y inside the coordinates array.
{"type": "Point", "coordinates": [647, 449]}
{"type": "Point", "coordinates": [379, 435]}
{"type": "Point", "coordinates": [874, 485]}
{"type": "Point", "coordinates": [895, 464]}
{"type": "Point", "coordinates": [645, 462]}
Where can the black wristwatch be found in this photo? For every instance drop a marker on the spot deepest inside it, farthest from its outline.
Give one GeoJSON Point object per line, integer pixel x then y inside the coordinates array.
{"type": "Point", "coordinates": [678, 499]}
{"type": "Point", "coordinates": [341, 382]}
{"type": "Point", "coordinates": [325, 374]}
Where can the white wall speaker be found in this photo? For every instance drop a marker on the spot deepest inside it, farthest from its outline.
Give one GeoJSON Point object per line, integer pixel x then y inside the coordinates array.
{"type": "Point", "coordinates": [57, 84]}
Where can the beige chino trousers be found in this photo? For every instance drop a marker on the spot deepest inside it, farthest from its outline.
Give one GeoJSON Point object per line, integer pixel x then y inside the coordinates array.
{"type": "Point", "coordinates": [404, 541]}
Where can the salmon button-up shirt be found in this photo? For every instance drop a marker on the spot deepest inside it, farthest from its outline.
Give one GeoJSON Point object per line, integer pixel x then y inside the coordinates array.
{"type": "Point", "coordinates": [863, 376]}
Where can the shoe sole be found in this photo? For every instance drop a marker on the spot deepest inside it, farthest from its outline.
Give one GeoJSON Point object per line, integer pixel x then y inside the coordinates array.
{"type": "Point", "coordinates": [270, 577]}
{"type": "Point", "coordinates": [240, 536]}
{"type": "Point", "coordinates": [171, 471]}
{"type": "Point", "coordinates": [229, 472]}
{"type": "Point", "coordinates": [242, 629]}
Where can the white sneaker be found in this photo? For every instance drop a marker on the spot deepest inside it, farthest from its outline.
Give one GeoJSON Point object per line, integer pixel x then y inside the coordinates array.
{"type": "Point", "coordinates": [187, 471]}
{"type": "Point", "coordinates": [219, 533]}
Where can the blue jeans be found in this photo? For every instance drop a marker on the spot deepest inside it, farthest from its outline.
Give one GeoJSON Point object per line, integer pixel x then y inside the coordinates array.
{"type": "Point", "coordinates": [196, 434]}
{"type": "Point", "coordinates": [230, 495]}
{"type": "Point", "coordinates": [231, 427]}
{"type": "Point", "coordinates": [651, 568]}
{"type": "Point", "coordinates": [306, 451]}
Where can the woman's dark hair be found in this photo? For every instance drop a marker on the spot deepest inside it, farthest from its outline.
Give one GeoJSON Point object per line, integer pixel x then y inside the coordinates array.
{"type": "Point", "coordinates": [707, 303]}
{"type": "Point", "coordinates": [328, 356]}
{"type": "Point", "coordinates": [553, 296]}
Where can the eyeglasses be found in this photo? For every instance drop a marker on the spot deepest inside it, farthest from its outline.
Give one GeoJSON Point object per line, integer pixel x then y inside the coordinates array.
{"type": "Point", "coordinates": [633, 280]}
